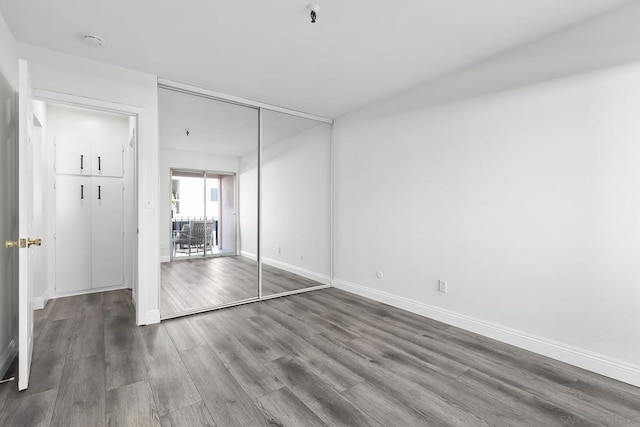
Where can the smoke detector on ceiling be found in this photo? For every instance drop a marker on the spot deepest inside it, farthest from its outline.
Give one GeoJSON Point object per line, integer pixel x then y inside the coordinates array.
{"type": "Point", "coordinates": [94, 40]}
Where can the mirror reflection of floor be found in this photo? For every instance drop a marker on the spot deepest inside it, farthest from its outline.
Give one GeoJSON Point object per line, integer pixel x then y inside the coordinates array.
{"type": "Point", "coordinates": [208, 282]}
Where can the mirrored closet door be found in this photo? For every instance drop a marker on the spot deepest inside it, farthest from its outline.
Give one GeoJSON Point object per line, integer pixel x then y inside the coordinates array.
{"type": "Point", "coordinates": [209, 215]}
{"type": "Point", "coordinates": [296, 203]}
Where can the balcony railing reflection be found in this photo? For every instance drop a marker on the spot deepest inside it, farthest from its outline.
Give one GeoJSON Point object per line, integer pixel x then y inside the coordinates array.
{"type": "Point", "coordinates": [194, 235]}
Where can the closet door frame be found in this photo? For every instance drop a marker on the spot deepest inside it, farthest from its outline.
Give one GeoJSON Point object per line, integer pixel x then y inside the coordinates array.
{"type": "Point", "coordinates": [205, 175]}
{"type": "Point", "coordinates": [217, 96]}
{"type": "Point", "coordinates": [142, 293]}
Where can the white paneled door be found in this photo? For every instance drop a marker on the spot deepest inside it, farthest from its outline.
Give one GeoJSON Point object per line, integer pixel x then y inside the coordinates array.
{"type": "Point", "coordinates": [26, 225]}
{"type": "Point", "coordinates": [106, 159]}
{"type": "Point", "coordinates": [73, 233]}
{"type": "Point", "coordinates": [106, 232]}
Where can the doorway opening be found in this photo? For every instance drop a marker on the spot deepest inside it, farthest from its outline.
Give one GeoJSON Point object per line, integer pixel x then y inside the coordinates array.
{"type": "Point", "coordinates": [203, 214]}
{"type": "Point", "coordinates": [90, 197]}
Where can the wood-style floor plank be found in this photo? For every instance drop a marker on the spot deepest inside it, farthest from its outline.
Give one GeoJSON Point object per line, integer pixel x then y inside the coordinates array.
{"type": "Point", "coordinates": [245, 367]}
{"type": "Point", "coordinates": [132, 405]}
{"type": "Point", "coordinates": [49, 356]}
{"type": "Point", "coordinates": [324, 401]}
{"type": "Point", "coordinates": [171, 384]}
{"type": "Point", "coordinates": [380, 406]}
{"type": "Point", "coordinates": [322, 358]}
{"type": "Point", "coordinates": [196, 415]}
{"type": "Point", "coordinates": [331, 372]}
{"type": "Point", "coordinates": [431, 406]}
{"type": "Point", "coordinates": [31, 410]}
{"type": "Point", "coordinates": [227, 401]}
{"type": "Point", "coordinates": [285, 409]}
{"type": "Point", "coordinates": [123, 368]}
{"type": "Point", "coordinates": [88, 335]}
{"type": "Point", "coordinates": [200, 283]}
{"type": "Point", "coordinates": [183, 333]}
{"type": "Point", "coordinates": [81, 395]}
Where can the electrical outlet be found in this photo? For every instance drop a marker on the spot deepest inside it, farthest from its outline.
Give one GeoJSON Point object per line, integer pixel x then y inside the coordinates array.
{"type": "Point", "coordinates": [442, 286]}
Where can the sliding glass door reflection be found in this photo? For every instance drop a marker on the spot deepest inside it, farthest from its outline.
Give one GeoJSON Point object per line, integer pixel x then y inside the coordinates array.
{"type": "Point", "coordinates": [209, 215]}
{"type": "Point", "coordinates": [202, 214]}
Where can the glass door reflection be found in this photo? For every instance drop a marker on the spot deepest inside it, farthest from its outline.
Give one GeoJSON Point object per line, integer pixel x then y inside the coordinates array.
{"type": "Point", "coordinates": [296, 203]}
{"type": "Point", "coordinates": [209, 226]}
{"type": "Point", "coordinates": [199, 203]}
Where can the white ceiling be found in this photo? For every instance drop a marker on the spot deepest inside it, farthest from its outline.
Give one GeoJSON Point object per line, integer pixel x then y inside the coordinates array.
{"type": "Point", "coordinates": [219, 127]}
{"type": "Point", "coordinates": [358, 51]}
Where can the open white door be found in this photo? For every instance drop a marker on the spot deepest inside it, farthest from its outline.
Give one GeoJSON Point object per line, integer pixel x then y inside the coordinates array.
{"type": "Point", "coordinates": [25, 220]}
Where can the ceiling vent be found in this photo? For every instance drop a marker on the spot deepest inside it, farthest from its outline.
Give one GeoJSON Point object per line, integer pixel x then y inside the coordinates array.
{"type": "Point", "coordinates": [93, 40]}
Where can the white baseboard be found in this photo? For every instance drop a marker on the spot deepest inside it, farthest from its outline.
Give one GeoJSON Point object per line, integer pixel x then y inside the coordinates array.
{"type": "Point", "coordinates": [309, 274]}
{"type": "Point", "coordinates": [165, 258]}
{"type": "Point", "coordinates": [88, 291]}
{"type": "Point", "coordinates": [40, 302]}
{"type": "Point", "coordinates": [249, 255]}
{"type": "Point", "coordinates": [152, 317]}
{"type": "Point", "coordinates": [7, 356]}
{"type": "Point", "coordinates": [585, 359]}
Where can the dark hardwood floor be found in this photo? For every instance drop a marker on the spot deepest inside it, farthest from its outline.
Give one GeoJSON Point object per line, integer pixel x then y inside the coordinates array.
{"type": "Point", "coordinates": [321, 358]}
{"type": "Point", "coordinates": [201, 283]}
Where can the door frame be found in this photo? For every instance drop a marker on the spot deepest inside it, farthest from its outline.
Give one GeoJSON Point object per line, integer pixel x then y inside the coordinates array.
{"type": "Point", "coordinates": [260, 107]}
{"type": "Point", "coordinates": [235, 199]}
{"type": "Point", "coordinates": [138, 114]}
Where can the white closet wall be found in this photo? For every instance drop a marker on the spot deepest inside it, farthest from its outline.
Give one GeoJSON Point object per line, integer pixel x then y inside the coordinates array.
{"type": "Point", "coordinates": [89, 189]}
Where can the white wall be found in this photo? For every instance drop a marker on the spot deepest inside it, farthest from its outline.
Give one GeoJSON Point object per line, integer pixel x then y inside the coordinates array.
{"type": "Point", "coordinates": [248, 205]}
{"type": "Point", "coordinates": [525, 201]}
{"type": "Point", "coordinates": [8, 54]}
{"type": "Point", "coordinates": [8, 187]}
{"type": "Point", "coordinates": [607, 40]}
{"type": "Point", "coordinates": [177, 159]}
{"type": "Point", "coordinates": [296, 202]}
{"type": "Point", "coordinates": [72, 75]}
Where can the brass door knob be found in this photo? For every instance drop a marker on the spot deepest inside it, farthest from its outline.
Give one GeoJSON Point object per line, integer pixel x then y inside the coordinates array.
{"type": "Point", "coordinates": [34, 242]}
{"type": "Point", "coordinates": [11, 243]}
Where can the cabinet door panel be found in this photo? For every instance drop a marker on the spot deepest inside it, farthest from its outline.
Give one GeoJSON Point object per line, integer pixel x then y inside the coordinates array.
{"type": "Point", "coordinates": [73, 155]}
{"type": "Point", "coordinates": [73, 234]}
{"type": "Point", "coordinates": [107, 228]}
{"type": "Point", "coordinates": [106, 158]}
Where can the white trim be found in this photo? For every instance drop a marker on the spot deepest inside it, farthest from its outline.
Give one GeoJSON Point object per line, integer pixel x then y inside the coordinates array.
{"type": "Point", "coordinates": [585, 359]}
{"type": "Point", "coordinates": [259, 200]}
{"type": "Point", "coordinates": [88, 291]}
{"type": "Point", "coordinates": [81, 101]}
{"type": "Point", "coordinates": [196, 90]}
{"type": "Point", "coordinates": [325, 279]}
{"type": "Point", "coordinates": [40, 302]}
{"type": "Point", "coordinates": [242, 302]}
{"type": "Point", "coordinates": [138, 184]}
{"type": "Point", "coordinates": [165, 258]}
{"type": "Point", "coordinates": [7, 357]}
{"type": "Point", "coordinates": [251, 256]}
{"type": "Point", "coordinates": [309, 274]}
{"type": "Point", "coordinates": [332, 205]}
{"type": "Point", "coordinates": [152, 317]}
